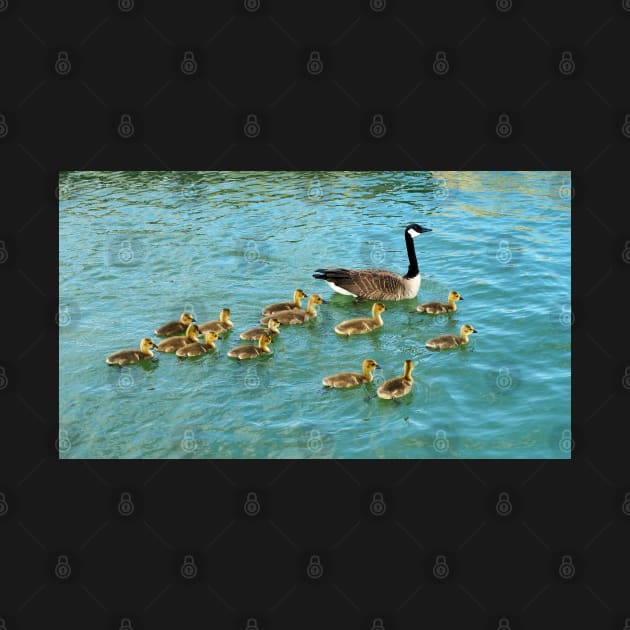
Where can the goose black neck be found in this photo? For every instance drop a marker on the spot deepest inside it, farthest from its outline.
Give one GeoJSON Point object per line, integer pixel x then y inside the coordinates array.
{"type": "Point", "coordinates": [413, 270]}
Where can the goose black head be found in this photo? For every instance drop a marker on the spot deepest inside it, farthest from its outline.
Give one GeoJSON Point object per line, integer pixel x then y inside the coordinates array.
{"type": "Point", "coordinates": [415, 230]}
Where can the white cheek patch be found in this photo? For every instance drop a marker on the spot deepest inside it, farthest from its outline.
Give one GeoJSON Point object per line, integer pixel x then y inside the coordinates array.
{"type": "Point", "coordinates": [413, 233]}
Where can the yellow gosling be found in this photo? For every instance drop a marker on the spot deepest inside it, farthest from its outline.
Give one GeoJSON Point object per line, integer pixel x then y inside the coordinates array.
{"type": "Point", "coordinates": [352, 379]}
{"type": "Point", "coordinates": [175, 327]}
{"type": "Point", "coordinates": [223, 324]}
{"type": "Point", "coordinates": [435, 308]}
{"type": "Point", "coordinates": [298, 316]}
{"type": "Point", "coordinates": [127, 357]}
{"type": "Point", "coordinates": [251, 352]}
{"type": "Point", "coordinates": [362, 324]}
{"type": "Point", "coordinates": [298, 296]}
{"type": "Point", "coordinates": [399, 386]}
{"type": "Point", "coordinates": [257, 332]}
{"type": "Point", "coordinates": [173, 344]}
{"type": "Point", "coordinates": [198, 348]}
{"type": "Point", "coordinates": [443, 342]}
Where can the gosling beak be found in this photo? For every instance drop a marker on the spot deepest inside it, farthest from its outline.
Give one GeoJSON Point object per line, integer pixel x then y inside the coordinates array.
{"type": "Point", "coordinates": [153, 345]}
{"type": "Point", "coordinates": [377, 367]}
{"type": "Point", "coordinates": [474, 330]}
{"type": "Point", "coordinates": [461, 299]}
{"type": "Point", "coordinates": [306, 295]}
{"type": "Point", "coordinates": [193, 319]}
{"type": "Point", "coordinates": [324, 301]}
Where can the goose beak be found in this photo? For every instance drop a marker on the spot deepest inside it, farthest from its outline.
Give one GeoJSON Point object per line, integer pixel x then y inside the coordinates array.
{"type": "Point", "coordinates": [422, 230]}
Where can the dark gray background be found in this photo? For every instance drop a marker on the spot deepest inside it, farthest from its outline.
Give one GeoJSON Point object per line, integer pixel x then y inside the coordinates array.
{"type": "Point", "coordinates": [69, 72]}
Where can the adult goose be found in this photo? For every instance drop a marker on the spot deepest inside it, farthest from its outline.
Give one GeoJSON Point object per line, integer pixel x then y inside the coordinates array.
{"type": "Point", "coordinates": [378, 284]}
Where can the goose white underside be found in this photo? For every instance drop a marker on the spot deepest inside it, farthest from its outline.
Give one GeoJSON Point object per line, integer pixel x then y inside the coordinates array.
{"type": "Point", "coordinates": [337, 289]}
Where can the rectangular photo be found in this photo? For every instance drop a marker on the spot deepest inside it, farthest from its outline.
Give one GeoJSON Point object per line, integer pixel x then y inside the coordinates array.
{"type": "Point", "coordinates": [294, 315]}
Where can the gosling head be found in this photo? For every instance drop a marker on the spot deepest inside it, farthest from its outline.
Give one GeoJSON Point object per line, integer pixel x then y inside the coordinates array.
{"type": "Point", "coordinates": [186, 318]}
{"type": "Point", "coordinates": [264, 341]}
{"type": "Point", "coordinates": [454, 296]}
{"type": "Point", "coordinates": [273, 325]}
{"type": "Point", "coordinates": [370, 364]}
{"type": "Point", "coordinates": [225, 314]}
{"type": "Point", "coordinates": [415, 230]}
{"type": "Point", "coordinates": [466, 330]}
{"type": "Point", "coordinates": [378, 308]}
{"type": "Point", "coordinates": [193, 331]}
{"type": "Point", "coordinates": [299, 294]}
{"type": "Point", "coordinates": [146, 344]}
{"type": "Point", "coordinates": [211, 337]}
{"type": "Point", "coordinates": [316, 299]}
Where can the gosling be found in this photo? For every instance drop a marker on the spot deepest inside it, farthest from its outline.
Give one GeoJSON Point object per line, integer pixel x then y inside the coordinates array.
{"type": "Point", "coordinates": [172, 344]}
{"type": "Point", "coordinates": [259, 331]}
{"type": "Point", "coordinates": [435, 308]}
{"type": "Point", "coordinates": [443, 342]}
{"type": "Point", "coordinates": [198, 348]}
{"type": "Point", "coordinates": [298, 316]}
{"type": "Point", "coordinates": [298, 295]}
{"type": "Point", "coordinates": [352, 379]}
{"type": "Point", "coordinates": [363, 324]}
{"type": "Point", "coordinates": [175, 327]}
{"type": "Point", "coordinates": [223, 324]}
{"type": "Point", "coordinates": [251, 352]}
{"type": "Point", "coordinates": [127, 357]}
{"type": "Point", "coordinates": [399, 386]}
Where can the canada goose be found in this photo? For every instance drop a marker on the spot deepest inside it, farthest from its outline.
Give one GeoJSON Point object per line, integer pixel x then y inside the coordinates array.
{"type": "Point", "coordinates": [251, 352]}
{"type": "Point", "coordinates": [174, 327]}
{"type": "Point", "coordinates": [444, 342]}
{"type": "Point", "coordinates": [362, 324]}
{"type": "Point", "coordinates": [197, 348]}
{"type": "Point", "coordinates": [172, 344]}
{"type": "Point", "coordinates": [399, 386]}
{"type": "Point", "coordinates": [297, 316]}
{"type": "Point", "coordinates": [378, 284]}
{"type": "Point", "coordinates": [259, 331]}
{"type": "Point", "coordinates": [352, 379]}
{"type": "Point", "coordinates": [126, 357]}
{"type": "Point", "coordinates": [220, 325]}
{"type": "Point", "coordinates": [298, 295]}
{"type": "Point", "coordinates": [435, 308]}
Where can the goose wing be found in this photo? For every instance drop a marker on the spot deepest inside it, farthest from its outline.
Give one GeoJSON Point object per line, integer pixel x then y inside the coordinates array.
{"type": "Point", "coordinates": [370, 284]}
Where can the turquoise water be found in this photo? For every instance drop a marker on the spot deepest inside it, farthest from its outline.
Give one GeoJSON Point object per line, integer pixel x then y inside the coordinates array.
{"type": "Point", "coordinates": [136, 249]}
